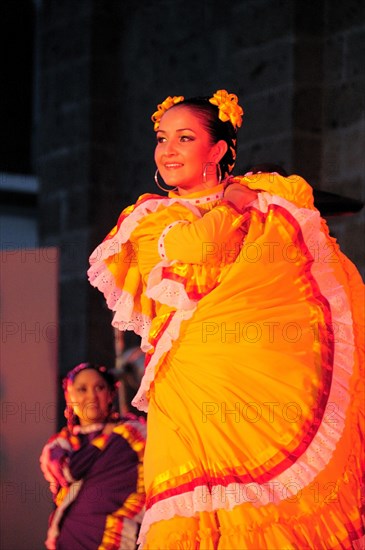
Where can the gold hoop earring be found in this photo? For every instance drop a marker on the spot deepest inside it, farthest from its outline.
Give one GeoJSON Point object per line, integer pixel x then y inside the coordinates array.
{"type": "Point", "coordinates": [160, 186]}
{"type": "Point", "coordinates": [219, 172]}
{"type": "Point", "coordinates": [217, 168]}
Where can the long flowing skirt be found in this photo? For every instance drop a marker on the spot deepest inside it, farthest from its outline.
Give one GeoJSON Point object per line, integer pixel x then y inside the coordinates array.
{"type": "Point", "coordinates": [255, 413]}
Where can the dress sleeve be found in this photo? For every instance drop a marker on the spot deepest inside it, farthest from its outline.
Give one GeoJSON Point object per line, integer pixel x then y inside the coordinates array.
{"type": "Point", "coordinates": [182, 251]}
{"type": "Point", "coordinates": [55, 457]}
{"type": "Point", "coordinates": [214, 238]}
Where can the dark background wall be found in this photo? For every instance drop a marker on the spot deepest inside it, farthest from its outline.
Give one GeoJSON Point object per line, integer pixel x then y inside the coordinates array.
{"type": "Point", "coordinates": [99, 67]}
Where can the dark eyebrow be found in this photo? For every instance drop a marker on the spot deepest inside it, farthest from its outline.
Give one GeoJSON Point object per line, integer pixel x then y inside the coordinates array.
{"type": "Point", "coordinates": [178, 130]}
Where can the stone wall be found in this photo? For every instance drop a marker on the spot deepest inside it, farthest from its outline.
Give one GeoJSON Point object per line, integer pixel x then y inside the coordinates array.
{"type": "Point", "coordinates": [343, 122]}
{"type": "Point", "coordinates": [76, 161]}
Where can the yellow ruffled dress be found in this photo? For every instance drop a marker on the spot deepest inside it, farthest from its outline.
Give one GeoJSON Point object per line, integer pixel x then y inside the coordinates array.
{"type": "Point", "coordinates": [253, 329]}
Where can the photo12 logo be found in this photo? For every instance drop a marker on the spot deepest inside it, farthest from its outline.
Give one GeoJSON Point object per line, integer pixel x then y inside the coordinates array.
{"type": "Point", "coordinates": [28, 332]}
{"type": "Point", "coordinates": [23, 413]}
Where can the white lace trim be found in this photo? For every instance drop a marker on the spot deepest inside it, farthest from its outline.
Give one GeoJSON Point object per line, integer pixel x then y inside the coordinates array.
{"type": "Point", "coordinates": [122, 303]}
{"type": "Point", "coordinates": [164, 344]}
{"type": "Point", "coordinates": [78, 429]}
{"type": "Point", "coordinates": [201, 499]}
{"type": "Point", "coordinates": [101, 278]}
{"type": "Point", "coordinates": [202, 200]}
{"type": "Point", "coordinates": [319, 452]}
{"type": "Point", "coordinates": [161, 240]}
{"type": "Point", "coordinates": [166, 291]}
{"type": "Point", "coordinates": [126, 318]}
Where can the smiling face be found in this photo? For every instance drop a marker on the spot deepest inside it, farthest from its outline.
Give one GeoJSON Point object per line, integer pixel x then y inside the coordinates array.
{"type": "Point", "coordinates": [90, 397]}
{"type": "Point", "coordinates": [184, 148]}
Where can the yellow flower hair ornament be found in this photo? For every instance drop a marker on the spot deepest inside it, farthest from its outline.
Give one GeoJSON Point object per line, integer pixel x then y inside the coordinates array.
{"type": "Point", "coordinates": [163, 107]}
{"type": "Point", "coordinates": [228, 107]}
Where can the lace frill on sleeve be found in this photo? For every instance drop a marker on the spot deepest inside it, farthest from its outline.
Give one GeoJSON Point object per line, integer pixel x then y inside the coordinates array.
{"type": "Point", "coordinates": [114, 271]}
{"type": "Point", "coordinates": [150, 293]}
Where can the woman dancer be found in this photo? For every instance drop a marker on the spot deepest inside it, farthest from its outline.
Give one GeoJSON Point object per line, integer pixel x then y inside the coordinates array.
{"type": "Point", "coordinates": [94, 466]}
{"type": "Point", "coordinates": [251, 321]}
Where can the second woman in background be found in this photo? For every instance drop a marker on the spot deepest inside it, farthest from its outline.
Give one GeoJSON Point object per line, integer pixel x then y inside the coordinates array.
{"type": "Point", "coordinates": [94, 466]}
